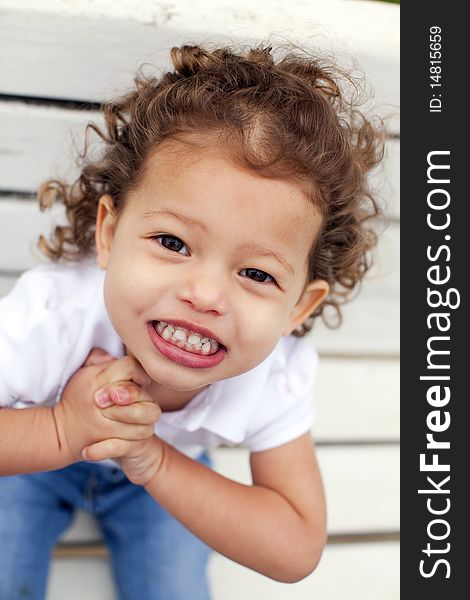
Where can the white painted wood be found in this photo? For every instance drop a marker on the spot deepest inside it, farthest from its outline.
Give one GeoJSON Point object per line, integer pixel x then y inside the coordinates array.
{"type": "Point", "coordinates": [371, 320]}
{"type": "Point", "coordinates": [6, 284]}
{"type": "Point", "coordinates": [21, 223]}
{"type": "Point", "coordinates": [80, 578]}
{"type": "Point", "coordinates": [356, 572]}
{"type": "Point", "coordinates": [40, 142]}
{"type": "Point", "coordinates": [357, 400]}
{"type": "Point", "coordinates": [84, 528]}
{"type": "Point", "coordinates": [53, 50]}
{"type": "Point", "coordinates": [361, 486]}
{"type": "Point", "coordinates": [368, 571]}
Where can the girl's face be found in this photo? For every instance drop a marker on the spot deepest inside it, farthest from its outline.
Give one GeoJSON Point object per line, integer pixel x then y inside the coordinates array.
{"type": "Point", "coordinates": [206, 266]}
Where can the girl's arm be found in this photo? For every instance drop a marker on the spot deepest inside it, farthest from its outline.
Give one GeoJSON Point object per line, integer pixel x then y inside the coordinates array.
{"type": "Point", "coordinates": [46, 438]}
{"type": "Point", "coordinates": [276, 526]}
{"type": "Point", "coordinates": [29, 441]}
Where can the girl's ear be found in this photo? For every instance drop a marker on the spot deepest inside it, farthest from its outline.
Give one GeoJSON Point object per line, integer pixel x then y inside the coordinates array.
{"type": "Point", "coordinates": [105, 221]}
{"type": "Point", "coordinates": [313, 295]}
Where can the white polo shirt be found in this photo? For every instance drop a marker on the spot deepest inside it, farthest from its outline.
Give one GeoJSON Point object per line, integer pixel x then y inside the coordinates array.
{"type": "Point", "coordinates": [55, 314]}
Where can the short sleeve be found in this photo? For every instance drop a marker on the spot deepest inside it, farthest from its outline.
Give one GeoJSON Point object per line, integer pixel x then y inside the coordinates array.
{"type": "Point", "coordinates": [286, 409]}
{"type": "Point", "coordinates": [33, 341]}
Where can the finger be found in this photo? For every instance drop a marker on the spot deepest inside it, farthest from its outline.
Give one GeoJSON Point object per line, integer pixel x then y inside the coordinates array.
{"type": "Point", "coordinates": [127, 431]}
{"type": "Point", "coordinates": [135, 433]}
{"type": "Point", "coordinates": [110, 448]}
{"type": "Point", "coordinates": [130, 434]}
{"type": "Point", "coordinates": [139, 413]}
{"type": "Point", "coordinates": [121, 393]}
{"type": "Point", "coordinates": [97, 356]}
{"type": "Point", "coordinates": [126, 368]}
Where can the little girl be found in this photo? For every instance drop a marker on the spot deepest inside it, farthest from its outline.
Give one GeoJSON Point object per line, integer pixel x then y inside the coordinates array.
{"type": "Point", "coordinates": [229, 208]}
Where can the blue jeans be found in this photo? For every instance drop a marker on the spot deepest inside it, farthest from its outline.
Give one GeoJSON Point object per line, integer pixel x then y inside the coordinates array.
{"type": "Point", "coordinates": [153, 556]}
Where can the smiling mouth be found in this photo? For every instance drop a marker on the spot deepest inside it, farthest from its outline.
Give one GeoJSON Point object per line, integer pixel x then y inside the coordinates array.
{"type": "Point", "coordinates": [186, 339]}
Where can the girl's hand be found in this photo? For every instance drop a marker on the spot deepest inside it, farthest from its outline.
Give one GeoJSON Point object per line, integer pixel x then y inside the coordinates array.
{"type": "Point", "coordinates": [102, 400]}
{"type": "Point", "coordinates": [140, 460]}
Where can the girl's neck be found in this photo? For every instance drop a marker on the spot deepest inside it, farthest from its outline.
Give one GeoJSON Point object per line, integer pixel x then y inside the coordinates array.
{"type": "Point", "coordinates": [168, 399]}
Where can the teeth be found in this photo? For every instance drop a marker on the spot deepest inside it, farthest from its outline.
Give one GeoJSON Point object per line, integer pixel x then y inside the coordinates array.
{"type": "Point", "coordinates": [162, 326]}
{"type": "Point", "coordinates": [180, 335]}
{"type": "Point", "coordinates": [187, 340]}
{"type": "Point", "coordinates": [167, 334]}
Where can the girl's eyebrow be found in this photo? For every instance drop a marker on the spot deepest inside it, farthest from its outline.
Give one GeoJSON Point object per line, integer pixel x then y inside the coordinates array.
{"type": "Point", "coordinates": [252, 247]}
{"type": "Point", "coordinates": [262, 251]}
{"type": "Point", "coordinates": [169, 213]}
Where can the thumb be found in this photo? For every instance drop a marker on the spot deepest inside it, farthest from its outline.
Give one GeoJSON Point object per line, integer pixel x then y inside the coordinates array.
{"type": "Point", "coordinates": [109, 448]}
{"type": "Point", "coordinates": [97, 356]}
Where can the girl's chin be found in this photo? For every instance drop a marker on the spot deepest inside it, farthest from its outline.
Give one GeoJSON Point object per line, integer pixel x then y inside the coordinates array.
{"type": "Point", "coordinates": [170, 397]}
{"type": "Point", "coordinates": [179, 381]}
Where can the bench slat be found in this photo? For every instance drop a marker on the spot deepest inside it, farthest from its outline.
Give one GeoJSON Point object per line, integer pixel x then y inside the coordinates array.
{"type": "Point", "coordinates": [21, 223]}
{"type": "Point", "coordinates": [44, 54]}
{"type": "Point", "coordinates": [357, 400]}
{"type": "Point", "coordinates": [37, 143]}
{"type": "Point", "coordinates": [361, 484]}
{"type": "Point", "coordinates": [355, 571]}
{"type": "Point", "coordinates": [370, 323]}
{"type": "Point", "coordinates": [7, 281]}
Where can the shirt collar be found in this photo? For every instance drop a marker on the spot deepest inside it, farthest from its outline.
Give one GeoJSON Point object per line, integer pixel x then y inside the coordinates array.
{"type": "Point", "coordinates": [225, 407]}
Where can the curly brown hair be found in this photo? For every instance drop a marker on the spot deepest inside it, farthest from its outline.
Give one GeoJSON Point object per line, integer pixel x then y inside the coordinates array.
{"type": "Point", "coordinates": [289, 118]}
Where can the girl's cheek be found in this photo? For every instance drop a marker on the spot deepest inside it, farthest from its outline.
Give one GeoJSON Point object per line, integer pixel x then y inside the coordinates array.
{"type": "Point", "coordinates": [265, 327]}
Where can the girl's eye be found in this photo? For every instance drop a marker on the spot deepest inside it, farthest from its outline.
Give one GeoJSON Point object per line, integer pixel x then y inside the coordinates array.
{"type": "Point", "coordinates": [170, 242]}
{"type": "Point", "coordinates": [258, 276]}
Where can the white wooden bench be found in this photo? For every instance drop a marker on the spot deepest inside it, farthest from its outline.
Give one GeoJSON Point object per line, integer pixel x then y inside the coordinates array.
{"type": "Point", "coordinates": [57, 55]}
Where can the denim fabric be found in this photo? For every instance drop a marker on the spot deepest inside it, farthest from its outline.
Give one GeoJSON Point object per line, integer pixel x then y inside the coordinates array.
{"type": "Point", "coordinates": [153, 556]}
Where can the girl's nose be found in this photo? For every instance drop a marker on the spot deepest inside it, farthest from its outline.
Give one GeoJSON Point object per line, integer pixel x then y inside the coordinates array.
{"type": "Point", "coordinates": [205, 291]}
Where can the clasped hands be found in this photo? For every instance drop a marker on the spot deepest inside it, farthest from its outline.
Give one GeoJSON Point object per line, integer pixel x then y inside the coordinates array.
{"type": "Point", "coordinates": [106, 412]}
